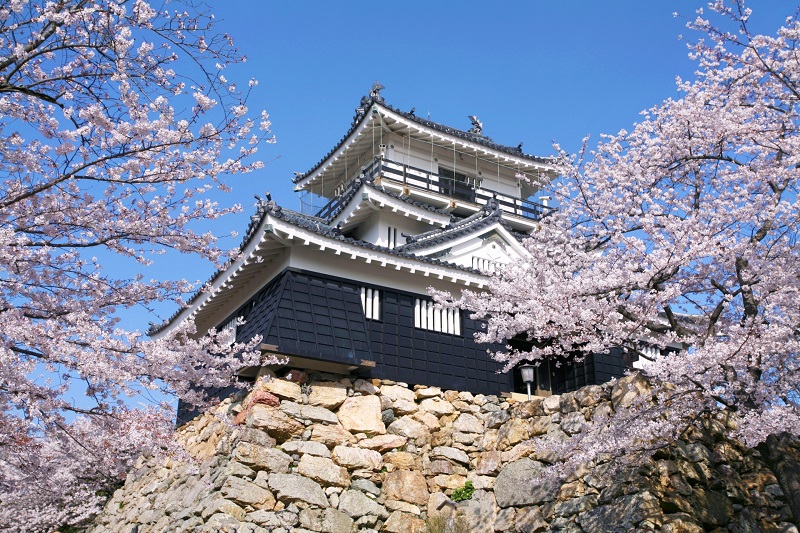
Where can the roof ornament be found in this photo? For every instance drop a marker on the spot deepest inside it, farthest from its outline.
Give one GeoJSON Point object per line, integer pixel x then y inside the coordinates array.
{"type": "Point", "coordinates": [409, 238]}
{"type": "Point", "coordinates": [493, 206]}
{"type": "Point", "coordinates": [269, 205]}
{"type": "Point", "coordinates": [413, 110]}
{"type": "Point", "coordinates": [374, 96]}
{"type": "Point", "coordinates": [361, 109]}
{"type": "Point", "coordinates": [375, 92]}
{"type": "Point", "coordinates": [477, 125]}
{"type": "Point", "coordinates": [519, 147]}
{"type": "Point", "coordinates": [262, 206]}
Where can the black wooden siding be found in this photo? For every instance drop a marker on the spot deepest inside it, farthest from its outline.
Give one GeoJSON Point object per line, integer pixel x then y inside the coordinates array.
{"type": "Point", "coordinates": [415, 355]}
{"type": "Point", "coordinates": [312, 315]}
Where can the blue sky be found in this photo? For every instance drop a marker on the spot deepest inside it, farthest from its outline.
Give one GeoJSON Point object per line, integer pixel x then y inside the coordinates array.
{"type": "Point", "coordinates": [533, 72]}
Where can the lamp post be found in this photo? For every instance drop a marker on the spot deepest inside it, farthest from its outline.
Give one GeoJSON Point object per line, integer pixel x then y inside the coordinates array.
{"type": "Point", "coordinates": [527, 376]}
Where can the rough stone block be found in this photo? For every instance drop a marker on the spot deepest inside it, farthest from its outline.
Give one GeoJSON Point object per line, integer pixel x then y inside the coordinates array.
{"type": "Point", "coordinates": [362, 414]}
{"type": "Point", "coordinates": [353, 458]}
{"type": "Point", "coordinates": [292, 488]}
{"type": "Point", "coordinates": [331, 435]}
{"type": "Point", "coordinates": [326, 520]}
{"type": "Point", "coordinates": [274, 421]}
{"type": "Point", "coordinates": [306, 447]}
{"type": "Point", "coordinates": [281, 388]}
{"type": "Point", "coordinates": [245, 493]}
{"type": "Point", "coordinates": [327, 394]}
{"type": "Point", "coordinates": [407, 485]}
{"type": "Point", "coordinates": [523, 483]}
{"type": "Point", "coordinates": [409, 428]}
{"type": "Point", "coordinates": [355, 504]}
{"type": "Point", "coordinates": [479, 512]}
{"type": "Point", "coordinates": [626, 389]}
{"type": "Point", "coordinates": [453, 454]}
{"type": "Point", "coordinates": [400, 522]}
{"type": "Point", "coordinates": [383, 443]}
{"type": "Point", "coordinates": [437, 407]}
{"type": "Point", "coordinates": [622, 514]}
{"type": "Point", "coordinates": [468, 423]}
{"type": "Point", "coordinates": [396, 392]}
{"type": "Point", "coordinates": [261, 458]}
{"type": "Point", "coordinates": [323, 471]}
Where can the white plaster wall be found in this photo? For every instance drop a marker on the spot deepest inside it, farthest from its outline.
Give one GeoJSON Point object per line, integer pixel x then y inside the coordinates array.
{"type": "Point", "coordinates": [311, 259]}
{"type": "Point", "coordinates": [499, 178]}
{"type": "Point", "coordinates": [369, 230]}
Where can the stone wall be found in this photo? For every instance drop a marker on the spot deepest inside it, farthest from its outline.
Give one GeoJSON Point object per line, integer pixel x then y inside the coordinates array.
{"type": "Point", "coordinates": [339, 455]}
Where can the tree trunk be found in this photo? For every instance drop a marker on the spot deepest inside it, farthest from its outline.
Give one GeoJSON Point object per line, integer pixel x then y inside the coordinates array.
{"type": "Point", "coordinates": [779, 456]}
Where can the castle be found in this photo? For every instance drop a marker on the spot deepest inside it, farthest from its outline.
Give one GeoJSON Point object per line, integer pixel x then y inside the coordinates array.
{"type": "Point", "coordinates": [408, 204]}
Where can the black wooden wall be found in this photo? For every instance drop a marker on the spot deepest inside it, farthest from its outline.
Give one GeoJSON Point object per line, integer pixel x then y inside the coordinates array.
{"type": "Point", "coordinates": [316, 316]}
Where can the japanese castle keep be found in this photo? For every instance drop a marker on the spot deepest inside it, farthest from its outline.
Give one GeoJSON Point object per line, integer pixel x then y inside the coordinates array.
{"type": "Point", "coordinates": [411, 204]}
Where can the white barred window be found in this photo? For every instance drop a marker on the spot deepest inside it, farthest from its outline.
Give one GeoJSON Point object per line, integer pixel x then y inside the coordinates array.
{"type": "Point", "coordinates": [391, 237]}
{"type": "Point", "coordinates": [227, 333]}
{"type": "Point", "coordinates": [371, 303]}
{"type": "Point", "coordinates": [426, 316]}
{"type": "Point", "coordinates": [479, 263]}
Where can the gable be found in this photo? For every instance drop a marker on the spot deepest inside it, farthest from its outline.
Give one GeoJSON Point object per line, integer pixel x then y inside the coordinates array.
{"type": "Point", "coordinates": [482, 251]}
{"type": "Point", "coordinates": [309, 317]}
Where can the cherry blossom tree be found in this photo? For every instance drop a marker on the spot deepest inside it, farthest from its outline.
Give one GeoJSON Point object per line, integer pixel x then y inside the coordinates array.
{"type": "Point", "coordinates": [116, 120]}
{"type": "Point", "coordinates": [681, 233]}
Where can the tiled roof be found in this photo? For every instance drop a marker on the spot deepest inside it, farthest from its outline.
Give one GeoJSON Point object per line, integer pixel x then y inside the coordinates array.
{"type": "Point", "coordinates": [333, 232]}
{"type": "Point", "coordinates": [471, 137]}
{"type": "Point", "coordinates": [375, 98]}
{"type": "Point", "coordinates": [489, 215]}
{"type": "Point", "coordinates": [355, 185]}
{"type": "Point", "coordinates": [315, 224]}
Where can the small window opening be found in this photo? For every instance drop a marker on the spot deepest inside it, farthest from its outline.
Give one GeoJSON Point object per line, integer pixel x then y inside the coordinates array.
{"type": "Point", "coordinates": [371, 303]}
{"type": "Point", "coordinates": [427, 316]}
{"type": "Point", "coordinates": [227, 333]}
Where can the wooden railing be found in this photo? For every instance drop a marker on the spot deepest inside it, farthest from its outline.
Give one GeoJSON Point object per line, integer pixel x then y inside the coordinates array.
{"type": "Point", "coordinates": [427, 180]}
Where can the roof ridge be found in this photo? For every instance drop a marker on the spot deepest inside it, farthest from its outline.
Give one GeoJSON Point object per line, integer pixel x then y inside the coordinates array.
{"type": "Point", "coordinates": [490, 214]}
{"type": "Point", "coordinates": [374, 97]}
{"type": "Point", "coordinates": [317, 225]}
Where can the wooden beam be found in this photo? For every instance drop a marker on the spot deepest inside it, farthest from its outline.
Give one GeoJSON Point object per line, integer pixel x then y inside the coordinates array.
{"type": "Point", "coordinates": [310, 363]}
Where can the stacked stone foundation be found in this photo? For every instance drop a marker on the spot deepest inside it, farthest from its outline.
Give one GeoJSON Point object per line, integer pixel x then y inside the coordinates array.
{"type": "Point", "coordinates": [325, 453]}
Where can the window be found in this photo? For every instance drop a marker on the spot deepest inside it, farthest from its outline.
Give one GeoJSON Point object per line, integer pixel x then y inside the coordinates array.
{"type": "Point", "coordinates": [484, 265]}
{"type": "Point", "coordinates": [227, 333]}
{"type": "Point", "coordinates": [456, 185]}
{"type": "Point", "coordinates": [426, 316]}
{"type": "Point", "coordinates": [391, 237]}
{"type": "Point", "coordinates": [371, 303]}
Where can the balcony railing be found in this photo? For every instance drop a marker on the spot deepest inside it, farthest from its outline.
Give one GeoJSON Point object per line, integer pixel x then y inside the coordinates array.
{"type": "Point", "coordinates": [430, 181]}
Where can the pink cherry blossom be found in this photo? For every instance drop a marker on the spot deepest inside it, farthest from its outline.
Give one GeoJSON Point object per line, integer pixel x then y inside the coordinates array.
{"type": "Point", "coordinates": [681, 233]}
{"type": "Point", "coordinates": [114, 124]}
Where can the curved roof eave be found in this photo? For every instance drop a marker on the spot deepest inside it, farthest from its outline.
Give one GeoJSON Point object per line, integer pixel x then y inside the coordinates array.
{"type": "Point", "coordinates": [475, 142]}
{"type": "Point", "coordinates": [309, 230]}
{"type": "Point", "coordinates": [301, 181]}
{"type": "Point", "coordinates": [459, 238]}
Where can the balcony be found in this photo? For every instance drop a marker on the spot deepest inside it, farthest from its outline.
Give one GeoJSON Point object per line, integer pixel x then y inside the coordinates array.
{"type": "Point", "coordinates": [446, 186]}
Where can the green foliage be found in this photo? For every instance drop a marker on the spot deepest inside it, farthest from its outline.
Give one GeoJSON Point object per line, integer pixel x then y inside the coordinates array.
{"type": "Point", "coordinates": [464, 493]}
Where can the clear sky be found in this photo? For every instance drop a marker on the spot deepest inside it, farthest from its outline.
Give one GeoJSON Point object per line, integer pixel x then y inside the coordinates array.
{"type": "Point", "coordinates": [532, 71]}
